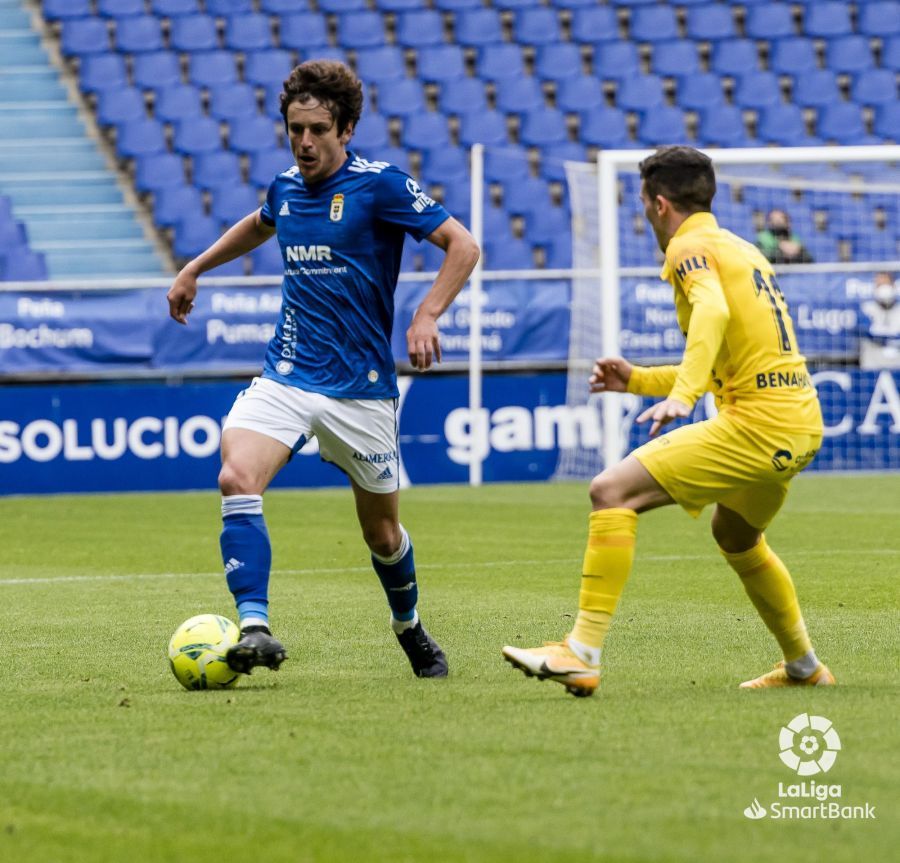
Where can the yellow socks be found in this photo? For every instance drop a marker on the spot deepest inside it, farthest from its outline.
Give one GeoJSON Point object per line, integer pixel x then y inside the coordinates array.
{"type": "Point", "coordinates": [770, 588]}
{"type": "Point", "coordinates": [607, 563]}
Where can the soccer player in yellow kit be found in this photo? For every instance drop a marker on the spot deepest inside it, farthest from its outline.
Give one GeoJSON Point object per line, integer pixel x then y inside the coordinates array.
{"type": "Point", "coordinates": [740, 345]}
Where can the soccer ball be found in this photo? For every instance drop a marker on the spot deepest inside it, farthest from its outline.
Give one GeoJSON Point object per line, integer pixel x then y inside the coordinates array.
{"type": "Point", "coordinates": [197, 652]}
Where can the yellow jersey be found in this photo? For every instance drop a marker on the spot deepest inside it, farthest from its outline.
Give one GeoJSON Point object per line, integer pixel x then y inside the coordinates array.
{"type": "Point", "coordinates": [740, 341]}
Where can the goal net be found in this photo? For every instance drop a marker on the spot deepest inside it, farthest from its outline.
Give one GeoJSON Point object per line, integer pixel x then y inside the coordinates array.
{"type": "Point", "coordinates": [843, 206]}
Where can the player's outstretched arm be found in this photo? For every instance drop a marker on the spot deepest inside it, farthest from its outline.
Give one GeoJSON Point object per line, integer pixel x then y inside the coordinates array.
{"type": "Point", "coordinates": [610, 375]}
{"type": "Point", "coordinates": [461, 254]}
{"type": "Point", "coordinates": [239, 239]}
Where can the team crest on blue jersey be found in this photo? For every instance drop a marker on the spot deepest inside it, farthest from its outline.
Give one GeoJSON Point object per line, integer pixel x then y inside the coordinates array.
{"type": "Point", "coordinates": [336, 210]}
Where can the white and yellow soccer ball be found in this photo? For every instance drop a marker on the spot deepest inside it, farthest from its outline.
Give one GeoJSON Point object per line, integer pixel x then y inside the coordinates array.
{"type": "Point", "coordinates": [197, 652]}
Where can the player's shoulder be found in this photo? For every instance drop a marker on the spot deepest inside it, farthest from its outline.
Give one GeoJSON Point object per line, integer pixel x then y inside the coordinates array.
{"type": "Point", "coordinates": [360, 167]}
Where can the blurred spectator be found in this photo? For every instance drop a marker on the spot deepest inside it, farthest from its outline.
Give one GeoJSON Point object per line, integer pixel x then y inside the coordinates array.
{"type": "Point", "coordinates": [879, 346]}
{"type": "Point", "coordinates": [779, 243]}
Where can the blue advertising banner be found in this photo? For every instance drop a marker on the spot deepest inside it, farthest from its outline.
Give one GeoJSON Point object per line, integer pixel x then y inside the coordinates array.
{"type": "Point", "coordinates": [526, 321]}
{"type": "Point", "coordinates": [95, 437]}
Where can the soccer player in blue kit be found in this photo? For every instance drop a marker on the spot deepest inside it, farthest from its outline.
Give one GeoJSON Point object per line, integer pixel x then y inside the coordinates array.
{"type": "Point", "coordinates": [340, 221]}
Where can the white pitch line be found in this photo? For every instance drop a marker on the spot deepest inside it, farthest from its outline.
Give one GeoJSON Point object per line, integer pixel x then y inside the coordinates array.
{"type": "Point", "coordinates": [486, 564]}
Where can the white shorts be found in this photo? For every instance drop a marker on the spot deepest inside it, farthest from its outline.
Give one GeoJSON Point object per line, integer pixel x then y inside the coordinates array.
{"type": "Point", "coordinates": [360, 436]}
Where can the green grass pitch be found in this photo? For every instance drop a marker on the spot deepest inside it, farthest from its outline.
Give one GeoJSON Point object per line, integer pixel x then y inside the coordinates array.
{"type": "Point", "coordinates": [344, 756]}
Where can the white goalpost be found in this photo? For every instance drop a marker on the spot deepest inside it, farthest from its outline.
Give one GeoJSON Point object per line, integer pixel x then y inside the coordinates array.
{"type": "Point", "coordinates": [844, 202]}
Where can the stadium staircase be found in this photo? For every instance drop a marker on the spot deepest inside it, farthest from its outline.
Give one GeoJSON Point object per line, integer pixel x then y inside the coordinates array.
{"type": "Point", "coordinates": [64, 213]}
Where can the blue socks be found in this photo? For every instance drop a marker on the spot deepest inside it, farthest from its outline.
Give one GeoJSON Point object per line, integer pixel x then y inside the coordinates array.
{"type": "Point", "coordinates": [398, 578]}
{"type": "Point", "coordinates": [247, 555]}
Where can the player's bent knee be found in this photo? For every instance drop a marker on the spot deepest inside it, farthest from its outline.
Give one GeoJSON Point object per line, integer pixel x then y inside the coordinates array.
{"type": "Point", "coordinates": [605, 492]}
{"type": "Point", "coordinates": [732, 534]}
{"type": "Point", "coordinates": [235, 480]}
{"type": "Point", "coordinates": [382, 539]}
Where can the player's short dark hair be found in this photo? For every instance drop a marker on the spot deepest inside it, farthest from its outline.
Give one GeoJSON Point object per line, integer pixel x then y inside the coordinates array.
{"type": "Point", "coordinates": [329, 82]}
{"type": "Point", "coordinates": [682, 175]}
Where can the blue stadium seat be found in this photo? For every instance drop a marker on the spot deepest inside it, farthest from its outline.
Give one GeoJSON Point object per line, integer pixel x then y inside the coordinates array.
{"type": "Point", "coordinates": [371, 132]}
{"type": "Point", "coordinates": [266, 259]}
{"type": "Point", "coordinates": [547, 226]}
{"type": "Point", "coordinates": [484, 127]}
{"type": "Point", "coordinates": [500, 61]}
{"type": "Point", "coordinates": [654, 24]}
{"type": "Point", "coordinates": [425, 131]}
{"type": "Point", "coordinates": [604, 127]}
{"type": "Point", "coordinates": [572, 4]}
{"type": "Point", "coordinates": [173, 8]}
{"type": "Point", "coordinates": [508, 254]}
{"type": "Point", "coordinates": [12, 235]}
{"type": "Point", "coordinates": [524, 196]}
{"type": "Point", "coordinates": [158, 171]}
{"type": "Point", "coordinates": [816, 89]}
{"type": "Point", "coordinates": [675, 59]}
{"type": "Point", "coordinates": [697, 92]}
{"type": "Point", "coordinates": [171, 205]}
{"type": "Point", "coordinates": [842, 123]}
{"type": "Point", "coordinates": [252, 134]}
{"type": "Point", "coordinates": [848, 218]}
{"type": "Point", "coordinates": [232, 268]}
{"type": "Point", "coordinates": [197, 135]}
{"type": "Point", "coordinates": [580, 94]}
{"type": "Point", "coordinates": [361, 30]}
{"type": "Point", "coordinates": [304, 31]}
{"type": "Point", "coordinates": [887, 121]}
{"type": "Point", "coordinates": [61, 10]}
{"type": "Point", "coordinates": [397, 5]}
{"type": "Point", "coordinates": [210, 68]}
{"type": "Point", "coordinates": [141, 137]}
{"type": "Point", "coordinates": [881, 19]}
{"type": "Point", "coordinates": [340, 6]}
{"type": "Point", "coordinates": [420, 28]}
{"type": "Point", "coordinates": [441, 63]}
{"type": "Point", "coordinates": [554, 157]}
{"type": "Point", "coordinates": [511, 5]}
{"type": "Point", "coordinates": [248, 32]}
{"type": "Point", "coordinates": [120, 8]}
{"type": "Point", "coordinates": [558, 252]}
{"type": "Point", "coordinates": [770, 21]}
{"type": "Point", "coordinates": [537, 26]}
{"type": "Point", "coordinates": [25, 266]}
{"type": "Point", "coordinates": [505, 163]}
{"type": "Point", "coordinates": [559, 62]}
{"type": "Point", "coordinates": [82, 36]}
{"type": "Point", "coordinates": [457, 200]}
{"type": "Point", "coordinates": [194, 33]}
{"type": "Point", "coordinates": [734, 57]}
{"type": "Point", "coordinates": [782, 124]}
{"type": "Point", "coordinates": [139, 35]}
{"type": "Point", "coordinates": [876, 246]}
{"type": "Point", "coordinates": [517, 95]}
{"type": "Point", "coordinates": [156, 69]}
{"type": "Point", "coordinates": [825, 20]}
{"type": "Point", "coordinates": [102, 72]}
{"type": "Point", "coordinates": [616, 60]}
{"type": "Point", "coordinates": [875, 87]}
{"type": "Point", "coordinates": [543, 126]}
{"type": "Point", "coordinates": [177, 102]}
{"type": "Point", "coordinates": [400, 98]}
{"type": "Point", "coordinates": [477, 27]}
{"type": "Point", "coordinates": [384, 63]}
{"type": "Point", "coordinates": [794, 55]}
{"type": "Point", "coordinates": [734, 217]}
{"type": "Point", "coordinates": [120, 105]}
{"type": "Point", "coordinates": [849, 54]}
{"type": "Point", "coordinates": [445, 165]}
{"type": "Point", "coordinates": [463, 96]}
{"type": "Point", "coordinates": [397, 156]}
{"type": "Point", "coordinates": [890, 53]}
{"type": "Point", "coordinates": [595, 24]}
{"type": "Point", "coordinates": [268, 67]}
{"type": "Point", "coordinates": [710, 23]}
{"type": "Point", "coordinates": [231, 203]}
{"type": "Point", "coordinates": [224, 8]}
{"type": "Point", "coordinates": [455, 5]}
{"type": "Point", "coordinates": [757, 90]}
{"type": "Point", "coordinates": [193, 236]}
{"type": "Point", "coordinates": [663, 125]}
{"type": "Point", "coordinates": [265, 165]}
{"type": "Point", "coordinates": [433, 256]}
{"type": "Point", "coordinates": [217, 169]}
{"type": "Point", "coordinates": [640, 93]}
{"type": "Point", "coordinates": [723, 126]}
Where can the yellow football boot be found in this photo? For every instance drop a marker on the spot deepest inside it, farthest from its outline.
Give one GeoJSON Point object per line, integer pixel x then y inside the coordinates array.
{"type": "Point", "coordinates": [555, 661]}
{"type": "Point", "coordinates": [779, 677]}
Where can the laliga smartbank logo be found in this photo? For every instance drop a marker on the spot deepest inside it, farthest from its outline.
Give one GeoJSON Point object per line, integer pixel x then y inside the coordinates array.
{"type": "Point", "coordinates": [808, 745]}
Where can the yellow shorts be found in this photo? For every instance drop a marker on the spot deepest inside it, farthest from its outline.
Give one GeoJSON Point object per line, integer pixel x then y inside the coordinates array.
{"type": "Point", "coordinates": [746, 469]}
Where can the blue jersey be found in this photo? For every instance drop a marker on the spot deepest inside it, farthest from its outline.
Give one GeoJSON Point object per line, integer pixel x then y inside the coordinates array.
{"type": "Point", "coordinates": [341, 241]}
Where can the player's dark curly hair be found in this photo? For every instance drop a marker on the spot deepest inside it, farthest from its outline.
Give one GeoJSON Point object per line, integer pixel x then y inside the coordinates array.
{"type": "Point", "coordinates": [683, 175]}
{"type": "Point", "coordinates": [329, 82]}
